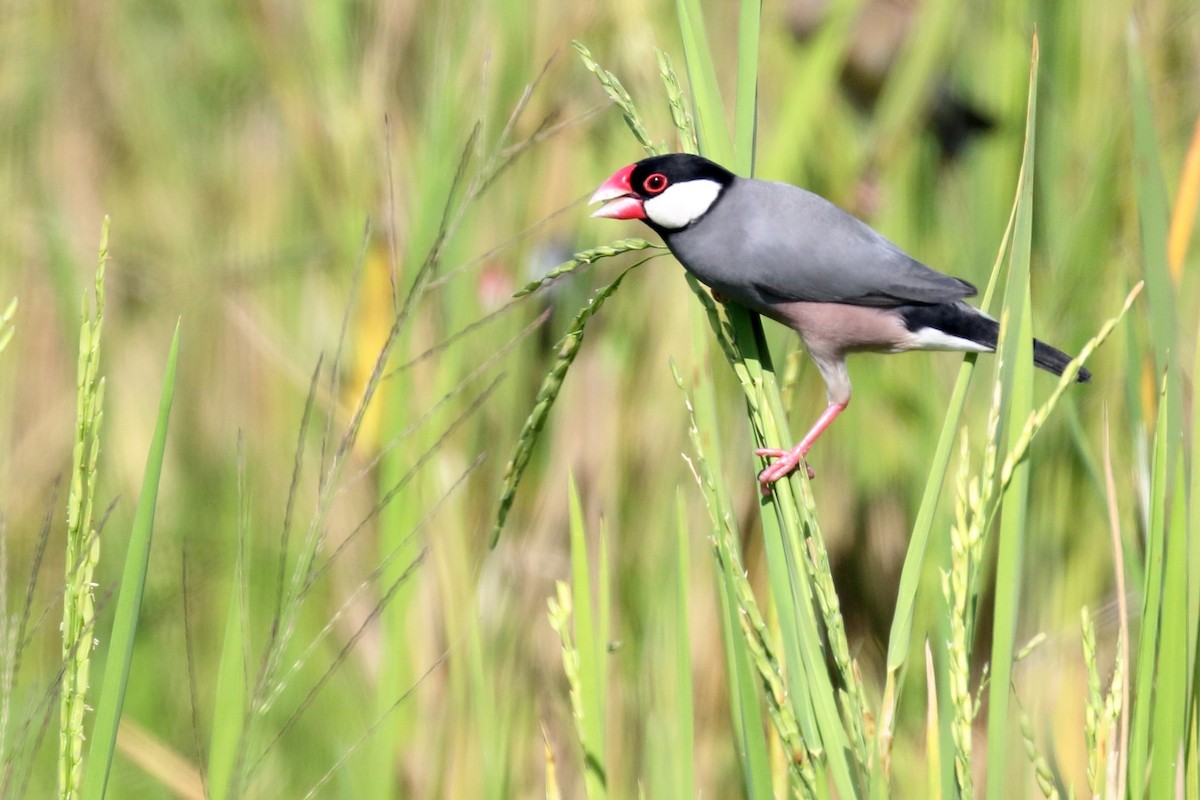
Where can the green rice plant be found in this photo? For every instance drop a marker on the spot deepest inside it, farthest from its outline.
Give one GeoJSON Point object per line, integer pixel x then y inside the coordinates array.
{"type": "Point", "coordinates": [229, 716]}
{"type": "Point", "coordinates": [83, 545]}
{"type": "Point", "coordinates": [80, 777]}
{"type": "Point", "coordinates": [901, 630]}
{"type": "Point", "coordinates": [1165, 692]}
{"type": "Point", "coordinates": [1013, 405]}
{"type": "Point", "coordinates": [583, 632]}
{"type": "Point", "coordinates": [584, 637]}
{"type": "Point", "coordinates": [568, 349]}
{"type": "Point", "coordinates": [795, 553]}
{"type": "Point", "coordinates": [681, 115]}
{"type": "Point", "coordinates": [830, 720]}
{"type": "Point", "coordinates": [111, 700]}
{"type": "Point", "coordinates": [980, 498]}
{"type": "Point", "coordinates": [1041, 768]}
{"type": "Point", "coordinates": [585, 258]}
{"type": "Point", "coordinates": [933, 771]}
{"type": "Point", "coordinates": [746, 649]}
{"type": "Point", "coordinates": [681, 752]}
{"type": "Point", "coordinates": [249, 148]}
{"type": "Point", "coordinates": [812, 716]}
{"type": "Point", "coordinates": [619, 96]}
{"type": "Point", "coordinates": [1102, 717]}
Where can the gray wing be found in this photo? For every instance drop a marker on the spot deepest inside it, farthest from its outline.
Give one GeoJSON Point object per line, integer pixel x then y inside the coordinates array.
{"type": "Point", "coordinates": [790, 244]}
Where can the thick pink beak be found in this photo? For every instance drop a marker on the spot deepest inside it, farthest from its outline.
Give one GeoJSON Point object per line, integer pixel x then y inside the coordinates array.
{"type": "Point", "coordinates": [620, 201]}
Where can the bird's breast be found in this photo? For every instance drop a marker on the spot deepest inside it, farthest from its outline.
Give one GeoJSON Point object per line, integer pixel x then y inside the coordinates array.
{"type": "Point", "coordinates": [718, 257]}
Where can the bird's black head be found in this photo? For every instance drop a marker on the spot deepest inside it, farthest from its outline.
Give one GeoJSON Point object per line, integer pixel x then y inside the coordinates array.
{"type": "Point", "coordinates": [669, 192]}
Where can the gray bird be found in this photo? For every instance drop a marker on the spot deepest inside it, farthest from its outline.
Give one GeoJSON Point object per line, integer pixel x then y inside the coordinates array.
{"type": "Point", "coordinates": [795, 257]}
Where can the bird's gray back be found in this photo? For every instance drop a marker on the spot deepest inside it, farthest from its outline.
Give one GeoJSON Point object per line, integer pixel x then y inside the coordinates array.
{"type": "Point", "coordinates": [764, 242]}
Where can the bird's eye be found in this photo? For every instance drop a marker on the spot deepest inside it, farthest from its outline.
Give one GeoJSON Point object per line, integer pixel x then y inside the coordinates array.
{"type": "Point", "coordinates": [655, 183]}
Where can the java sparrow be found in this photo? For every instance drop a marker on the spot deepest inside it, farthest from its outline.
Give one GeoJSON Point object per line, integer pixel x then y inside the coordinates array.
{"type": "Point", "coordinates": [797, 258]}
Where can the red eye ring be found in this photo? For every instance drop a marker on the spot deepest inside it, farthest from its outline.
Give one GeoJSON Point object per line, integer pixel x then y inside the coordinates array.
{"type": "Point", "coordinates": [655, 184]}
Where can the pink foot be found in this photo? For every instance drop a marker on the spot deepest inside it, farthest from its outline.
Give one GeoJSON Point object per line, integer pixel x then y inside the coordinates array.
{"type": "Point", "coordinates": [786, 461]}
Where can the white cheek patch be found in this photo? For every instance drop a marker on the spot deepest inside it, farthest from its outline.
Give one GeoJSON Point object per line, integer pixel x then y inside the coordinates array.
{"type": "Point", "coordinates": [682, 203]}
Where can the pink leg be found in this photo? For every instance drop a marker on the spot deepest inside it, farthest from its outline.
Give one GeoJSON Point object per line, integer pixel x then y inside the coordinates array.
{"type": "Point", "coordinates": [788, 460]}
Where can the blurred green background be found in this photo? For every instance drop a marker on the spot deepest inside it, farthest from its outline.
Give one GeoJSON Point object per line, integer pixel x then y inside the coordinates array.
{"type": "Point", "coordinates": [268, 166]}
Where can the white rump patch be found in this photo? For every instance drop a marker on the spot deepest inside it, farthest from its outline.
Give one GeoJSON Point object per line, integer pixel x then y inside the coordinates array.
{"type": "Point", "coordinates": [682, 203]}
{"type": "Point", "coordinates": [933, 339]}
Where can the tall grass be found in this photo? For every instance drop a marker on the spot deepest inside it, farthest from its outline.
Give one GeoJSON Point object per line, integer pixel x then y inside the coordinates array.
{"type": "Point", "coordinates": [338, 201]}
{"type": "Point", "coordinates": [831, 748]}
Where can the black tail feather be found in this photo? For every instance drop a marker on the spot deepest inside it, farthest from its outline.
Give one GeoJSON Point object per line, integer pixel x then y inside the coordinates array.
{"type": "Point", "coordinates": [1054, 360]}
{"type": "Point", "coordinates": [967, 322]}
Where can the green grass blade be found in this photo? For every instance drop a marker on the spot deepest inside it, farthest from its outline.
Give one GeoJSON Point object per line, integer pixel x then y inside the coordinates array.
{"type": "Point", "coordinates": [799, 574]}
{"type": "Point", "coordinates": [702, 76]}
{"type": "Point", "coordinates": [745, 114]}
{"type": "Point", "coordinates": [789, 528]}
{"type": "Point", "coordinates": [744, 700]}
{"type": "Point", "coordinates": [591, 650]}
{"type": "Point", "coordinates": [231, 713]}
{"type": "Point", "coordinates": [229, 710]}
{"type": "Point", "coordinates": [683, 751]}
{"type": "Point", "coordinates": [900, 637]}
{"type": "Point", "coordinates": [789, 531]}
{"type": "Point", "coordinates": [129, 601]}
{"type": "Point", "coordinates": [1016, 377]}
{"type": "Point", "coordinates": [961, 584]}
{"type": "Point", "coordinates": [745, 711]}
{"type": "Point", "coordinates": [1171, 672]}
{"type": "Point", "coordinates": [1193, 589]}
{"type": "Point", "coordinates": [1154, 219]}
{"type": "Point", "coordinates": [1148, 636]}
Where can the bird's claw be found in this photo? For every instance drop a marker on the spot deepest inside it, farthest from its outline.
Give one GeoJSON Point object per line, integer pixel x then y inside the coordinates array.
{"type": "Point", "coordinates": [786, 461]}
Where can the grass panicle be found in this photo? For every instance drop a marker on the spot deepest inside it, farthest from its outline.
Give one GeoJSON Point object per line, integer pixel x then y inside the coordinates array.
{"type": "Point", "coordinates": [616, 92]}
{"type": "Point", "coordinates": [585, 258]}
{"type": "Point", "coordinates": [568, 349]}
{"type": "Point", "coordinates": [1101, 715]}
{"type": "Point", "coordinates": [681, 115]}
{"type": "Point", "coordinates": [755, 641]}
{"type": "Point", "coordinates": [330, 481]}
{"type": "Point", "coordinates": [1046, 779]}
{"type": "Point", "coordinates": [83, 545]}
